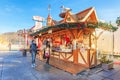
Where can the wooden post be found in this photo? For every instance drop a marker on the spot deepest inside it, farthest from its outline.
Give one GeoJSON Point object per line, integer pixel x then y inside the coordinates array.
{"type": "Point", "coordinates": [75, 50]}
{"type": "Point", "coordinates": [95, 56]}
{"type": "Point", "coordinates": [88, 55]}
{"type": "Point", "coordinates": [75, 56]}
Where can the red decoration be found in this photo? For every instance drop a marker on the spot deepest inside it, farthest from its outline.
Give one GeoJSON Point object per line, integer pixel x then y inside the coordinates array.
{"type": "Point", "coordinates": [78, 25]}
{"type": "Point", "coordinates": [67, 39]}
{"type": "Point", "coordinates": [82, 25]}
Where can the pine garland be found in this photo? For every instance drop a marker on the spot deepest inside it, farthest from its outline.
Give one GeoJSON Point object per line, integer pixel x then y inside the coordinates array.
{"type": "Point", "coordinates": [104, 26]}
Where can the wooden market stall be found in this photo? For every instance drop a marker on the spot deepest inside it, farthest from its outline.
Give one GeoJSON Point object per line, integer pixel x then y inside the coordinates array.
{"type": "Point", "coordinates": [73, 40]}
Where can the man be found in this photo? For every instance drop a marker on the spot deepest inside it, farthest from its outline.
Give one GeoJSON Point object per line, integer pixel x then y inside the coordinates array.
{"type": "Point", "coordinates": [33, 49]}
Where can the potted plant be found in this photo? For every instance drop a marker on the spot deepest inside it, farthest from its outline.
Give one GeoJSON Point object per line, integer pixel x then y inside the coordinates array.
{"type": "Point", "coordinates": [107, 64]}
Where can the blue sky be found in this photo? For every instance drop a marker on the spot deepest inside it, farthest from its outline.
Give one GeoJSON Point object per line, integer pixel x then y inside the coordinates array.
{"type": "Point", "coordinates": [17, 14]}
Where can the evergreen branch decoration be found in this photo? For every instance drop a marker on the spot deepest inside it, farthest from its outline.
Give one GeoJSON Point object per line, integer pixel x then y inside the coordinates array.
{"type": "Point", "coordinates": [92, 25]}
{"type": "Point", "coordinates": [106, 26]}
{"type": "Point", "coordinates": [81, 25]}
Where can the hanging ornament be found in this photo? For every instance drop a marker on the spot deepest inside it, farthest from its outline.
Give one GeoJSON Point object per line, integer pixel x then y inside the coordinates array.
{"type": "Point", "coordinates": [78, 25]}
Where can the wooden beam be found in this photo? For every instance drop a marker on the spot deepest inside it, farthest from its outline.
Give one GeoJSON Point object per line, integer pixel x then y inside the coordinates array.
{"type": "Point", "coordinates": [95, 58]}
{"type": "Point", "coordinates": [71, 32]}
{"type": "Point", "coordinates": [88, 58]}
{"type": "Point", "coordinates": [96, 46]}
{"type": "Point", "coordinates": [75, 56]}
{"type": "Point", "coordinates": [69, 56]}
{"type": "Point", "coordinates": [62, 55]}
{"type": "Point", "coordinates": [93, 55]}
{"type": "Point", "coordinates": [75, 50]}
{"type": "Point", "coordinates": [80, 33]}
{"type": "Point", "coordinates": [88, 55]}
{"type": "Point", "coordinates": [100, 35]}
{"type": "Point", "coordinates": [83, 58]}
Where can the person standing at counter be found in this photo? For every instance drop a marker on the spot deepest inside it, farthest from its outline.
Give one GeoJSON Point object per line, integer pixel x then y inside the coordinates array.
{"type": "Point", "coordinates": [47, 52]}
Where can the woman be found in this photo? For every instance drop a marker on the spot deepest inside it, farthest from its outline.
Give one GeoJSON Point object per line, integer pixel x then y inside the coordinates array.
{"type": "Point", "coordinates": [47, 52]}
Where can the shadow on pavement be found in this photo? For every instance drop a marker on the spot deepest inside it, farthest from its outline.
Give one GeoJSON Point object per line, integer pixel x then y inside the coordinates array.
{"type": "Point", "coordinates": [47, 67]}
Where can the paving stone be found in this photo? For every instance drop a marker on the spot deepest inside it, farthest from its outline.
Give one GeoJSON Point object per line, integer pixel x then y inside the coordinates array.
{"type": "Point", "coordinates": [13, 66]}
{"type": "Point", "coordinates": [16, 67]}
{"type": "Point", "coordinates": [107, 73]}
{"type": "Point", "coordinates": [115, 76]}
{"type": "Point", "coordinates": [107, 79]}
{"type": "Point", "coordinates": [95, 77]}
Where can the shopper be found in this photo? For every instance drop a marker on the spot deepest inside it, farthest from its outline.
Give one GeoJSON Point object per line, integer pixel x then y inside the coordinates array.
{"type": "Point", "coordinates": [47, 54]}
{"type": "Point", "coordinates": [33, 49]}
{"type": "Point", "coordinates": [47, 51]}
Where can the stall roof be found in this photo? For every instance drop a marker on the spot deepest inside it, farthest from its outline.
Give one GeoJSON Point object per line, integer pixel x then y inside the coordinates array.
{"type": "Point", "coordinates": [86, 18]}
{"type": "Point", "coordinates": [79, 25]}
{"type": "Point", "coordinates": [61, 26]}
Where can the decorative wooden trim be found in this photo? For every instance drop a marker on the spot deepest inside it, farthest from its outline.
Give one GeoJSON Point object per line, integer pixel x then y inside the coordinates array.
{"type": "Point", "coordinates": [66, 16]}
{"type": "Point", "coordinates": [93, 35]}
{"type": "Point", "coordinates": [62, 55]}
{"type": "Point", "coordinates": [100, 34]}
{"type": "Point", "coordinates": [69, 57]}
{"type": "Point", "coordinates": [83, 58]}
{"type": "Point", "coordinates": [79, 33]}
{"type": "Point", "coordinates": [92, 57]}
{"type": "Point", "coordinates": [70, 31]}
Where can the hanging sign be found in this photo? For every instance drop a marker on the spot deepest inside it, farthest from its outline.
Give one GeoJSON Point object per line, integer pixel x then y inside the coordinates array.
{"type": "Point", "coordinates": [38, 18]}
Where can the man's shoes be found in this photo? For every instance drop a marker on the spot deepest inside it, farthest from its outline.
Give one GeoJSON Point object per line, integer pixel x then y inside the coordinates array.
{"type": "Point", "coordinates": [33, 65]}
{"type": "Point", "coordinates": [47, 63]}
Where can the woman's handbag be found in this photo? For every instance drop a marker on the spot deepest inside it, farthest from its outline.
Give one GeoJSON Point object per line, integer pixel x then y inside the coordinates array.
{"type": "Point", "coordinates": [47, 55]}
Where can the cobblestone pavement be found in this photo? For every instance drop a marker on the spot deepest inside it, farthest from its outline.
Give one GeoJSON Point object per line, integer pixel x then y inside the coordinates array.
{"type": "Point", "coordinates": [13, 66]}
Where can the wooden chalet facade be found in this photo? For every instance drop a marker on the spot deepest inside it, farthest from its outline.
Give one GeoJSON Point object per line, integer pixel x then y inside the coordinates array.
{"type": "Point", "coordinates": [74, 30]}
